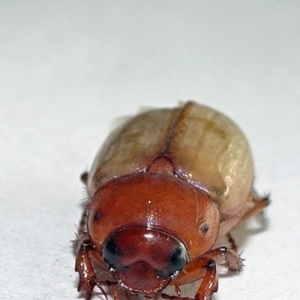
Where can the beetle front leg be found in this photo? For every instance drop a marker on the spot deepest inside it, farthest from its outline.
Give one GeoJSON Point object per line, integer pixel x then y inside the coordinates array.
{"type": "Point", "coordinates": [209, 284]}
{"type": "Point", "coordinates": [207, 270]}
{"type": "Point", "coordinates": [84, 266]}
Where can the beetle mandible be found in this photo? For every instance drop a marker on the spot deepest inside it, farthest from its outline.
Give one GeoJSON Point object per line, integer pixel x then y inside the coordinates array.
{"type": "Point", "coordinates": [162, 189]}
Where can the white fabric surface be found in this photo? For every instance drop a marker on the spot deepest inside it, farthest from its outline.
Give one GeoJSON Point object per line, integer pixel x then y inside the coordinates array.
{"type": "Point", "coordinates": [69, 68]}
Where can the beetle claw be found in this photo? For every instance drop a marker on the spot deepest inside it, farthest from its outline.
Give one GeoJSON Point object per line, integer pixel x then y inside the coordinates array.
{"type": "Point", "coordinates": [87, 288]}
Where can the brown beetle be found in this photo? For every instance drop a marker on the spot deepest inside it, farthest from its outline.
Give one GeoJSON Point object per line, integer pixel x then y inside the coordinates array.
{"type": "Point", "coordinates": [163, 188]}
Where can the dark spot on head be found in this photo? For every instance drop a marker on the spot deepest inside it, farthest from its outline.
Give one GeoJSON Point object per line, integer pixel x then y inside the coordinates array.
{"type": "Point", "coordinates": [97, 216]}
{"type": "Point", "coordinates": [204, 228]}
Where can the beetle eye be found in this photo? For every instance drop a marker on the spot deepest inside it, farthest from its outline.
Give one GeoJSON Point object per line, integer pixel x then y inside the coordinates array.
{"type": "Point", "coordinates": [204, 228]}
{"type": "Point", "coordinates": [112, 253]}
{"type": "Point", "coordinates": [178, 259]}
{"type": "Point", "coordinates": [177, 262]}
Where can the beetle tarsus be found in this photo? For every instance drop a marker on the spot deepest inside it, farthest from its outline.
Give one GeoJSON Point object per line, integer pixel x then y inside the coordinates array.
{"type": "Point", "coordinates": [233, 261]}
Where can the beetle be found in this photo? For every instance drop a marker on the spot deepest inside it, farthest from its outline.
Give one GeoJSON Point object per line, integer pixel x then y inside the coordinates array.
{"type": "Point", "coordinates": [162, 189]}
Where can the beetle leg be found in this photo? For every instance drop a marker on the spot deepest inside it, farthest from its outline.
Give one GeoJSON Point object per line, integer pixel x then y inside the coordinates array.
{"type": "Point", "coordinates": [259, 205]}
{"type": "Point", "coordinates": [83, 265]}
{"type": "Point", "coordinates": [231, 242]}
{"type": "Point", "coordinates": [229, 257]}
{"type": "Point", "coordinates": [209, 284]}
{"type": "Point", "coordinates": [252, 208]}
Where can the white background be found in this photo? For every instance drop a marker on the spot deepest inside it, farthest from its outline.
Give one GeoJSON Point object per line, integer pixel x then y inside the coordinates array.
{"type": "Point", "coordinates": [69, 68]}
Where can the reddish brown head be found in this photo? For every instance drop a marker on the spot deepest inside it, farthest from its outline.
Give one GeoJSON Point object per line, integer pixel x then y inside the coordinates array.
{"type": "Point", "coordinates": [148, 226]}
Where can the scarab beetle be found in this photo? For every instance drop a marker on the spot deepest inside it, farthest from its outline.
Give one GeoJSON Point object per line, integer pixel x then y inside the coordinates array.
{"type": "Point", "coordinates": [163, 188]}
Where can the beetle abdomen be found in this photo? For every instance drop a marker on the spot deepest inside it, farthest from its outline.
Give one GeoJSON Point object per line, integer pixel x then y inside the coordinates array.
{"type": "Point", "coordinates": [207, 149]}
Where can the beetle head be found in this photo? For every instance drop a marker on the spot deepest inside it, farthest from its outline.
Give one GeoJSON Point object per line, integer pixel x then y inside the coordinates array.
{"type": "Point", "coordinates": [144, 260]}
